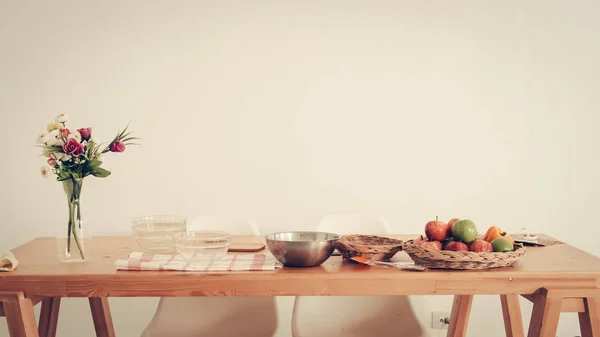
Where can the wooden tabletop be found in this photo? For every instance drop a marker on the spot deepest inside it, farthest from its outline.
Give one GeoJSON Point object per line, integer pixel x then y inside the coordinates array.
{"type": "Point", "coordinates": [41, 274]}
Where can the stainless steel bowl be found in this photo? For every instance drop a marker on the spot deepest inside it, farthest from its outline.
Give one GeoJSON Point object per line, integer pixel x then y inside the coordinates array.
{"type": "Point", "coordinates": [302, 249]}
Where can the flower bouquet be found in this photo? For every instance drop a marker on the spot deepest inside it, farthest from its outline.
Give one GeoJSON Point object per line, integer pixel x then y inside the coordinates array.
{"type": "Point", "coordinates": [73, 155]}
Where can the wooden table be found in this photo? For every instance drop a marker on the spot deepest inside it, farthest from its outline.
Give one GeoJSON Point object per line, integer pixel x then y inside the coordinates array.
{"type": "Point", "coordinates": [556, 278]}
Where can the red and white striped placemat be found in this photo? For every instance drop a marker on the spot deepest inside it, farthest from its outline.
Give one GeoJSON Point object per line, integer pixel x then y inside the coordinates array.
{"type": "Point", "coordinates": [243, 262]}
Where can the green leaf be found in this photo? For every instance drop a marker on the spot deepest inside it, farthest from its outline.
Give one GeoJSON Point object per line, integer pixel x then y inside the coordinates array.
{"type": "Point", "coordinates": [90, 166]}
{"type": "Point", "coordinates": [62, 175]}
{"type": "Point", "coordinates": [100, 172]}
{"type": "Point", "coordinates": [129, 138]}
{"type": "Point", "coordinates": [95, 163]}
{"type": "Point", "coordinates": [86, 170]}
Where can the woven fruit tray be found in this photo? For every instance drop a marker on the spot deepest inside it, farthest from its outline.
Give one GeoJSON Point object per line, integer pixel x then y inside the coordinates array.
{"type": "Point", "coordinates": [447, 259]}
{"type": "Point", "coordinates": [372, 247]}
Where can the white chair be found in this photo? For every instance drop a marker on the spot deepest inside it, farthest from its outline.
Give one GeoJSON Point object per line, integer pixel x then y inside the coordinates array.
{"type": "Point", "coordinates": [354, 224]}
{"type": "Point", "coordinates": [215, 316]}
{"type": "Point", "coordinates": [332, 316]}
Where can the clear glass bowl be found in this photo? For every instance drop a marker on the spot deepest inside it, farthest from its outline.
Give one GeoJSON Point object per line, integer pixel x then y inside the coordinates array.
{"type": "Point", "coordinates": [156, 233]}
{"type": "Point", "coordinates": [205, 246]}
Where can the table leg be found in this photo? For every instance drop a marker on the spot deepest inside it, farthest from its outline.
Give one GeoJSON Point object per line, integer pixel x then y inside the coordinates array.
{"type": "Point", "coordinates": [511, 310]}
{"type": "Point", "coordinates": [102, 318]}
{"type": "Point", "coordinates": [459, 317]}
{"type": "Point", "coordinates": [545, 315]}
{"type": "Point", "coordinates": [49, 317]}
{"type": "Point", "coordinates": [589, 320]}
{"type": "Point", "coordinates": [20, 317]}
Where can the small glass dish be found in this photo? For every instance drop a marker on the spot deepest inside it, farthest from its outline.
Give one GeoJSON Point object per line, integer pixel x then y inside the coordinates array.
{"type": "Point", "coordinates": [156, 233]}
{"type": "Point", "coordinates": [205, 246]}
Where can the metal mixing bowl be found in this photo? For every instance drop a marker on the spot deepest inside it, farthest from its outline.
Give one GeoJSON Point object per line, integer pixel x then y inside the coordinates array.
{"type": "Point", "coordinates": [302, 249]}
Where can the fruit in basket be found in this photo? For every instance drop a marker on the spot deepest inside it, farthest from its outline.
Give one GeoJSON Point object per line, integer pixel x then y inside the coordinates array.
{"type": "Point", "coordinates": [464, 230]}
{"type": "Point", "coordinates": [447, 241]}
{"type": "Point", "coordinates": [495, 232]}
{"type": "Point", "coordinates": [433, 245]}
{"type": "Point", "coordinates": [502, 245]}
{"type": "Point", "coordinates": [456, 246]}
{"type": "Point", "coordinates": [420, 240]}
{"type": "Point", "coordinates": [436, 230]}
{"type": "Point", "coordinates": [481, 246]}
{"type": "Point", "coordinates": [450, 223]}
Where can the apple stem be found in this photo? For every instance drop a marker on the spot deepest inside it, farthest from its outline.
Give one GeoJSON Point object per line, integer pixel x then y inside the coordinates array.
{"type": "Point", "coordinates": [436, 218]}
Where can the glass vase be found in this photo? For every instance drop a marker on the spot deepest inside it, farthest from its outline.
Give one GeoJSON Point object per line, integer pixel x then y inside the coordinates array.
{"type": "Point", "coordinates": [72, 244]}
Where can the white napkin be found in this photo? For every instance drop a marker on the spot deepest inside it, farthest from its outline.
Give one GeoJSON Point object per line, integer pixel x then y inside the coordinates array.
{"type": "Point", "coordinates": [8, 261]}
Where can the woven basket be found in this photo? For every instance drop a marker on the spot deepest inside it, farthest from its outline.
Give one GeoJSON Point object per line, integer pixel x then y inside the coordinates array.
{"type": "Point", "coordinates": [372, 247]}
{"type": "Point", "coordinates": [447, 259]}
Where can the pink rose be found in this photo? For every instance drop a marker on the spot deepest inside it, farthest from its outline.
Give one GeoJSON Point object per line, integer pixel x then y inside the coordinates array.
{"type": "Point", "coordinates": [86, 133]}
{"type": "Point", "coordinates": [72, 147]}
{"type": "Point", "coordinates": [52, 162]}
{"type": "Point", "coordinates": [65, 132]}
{"type": "Point", "coordinates": [117, 146]}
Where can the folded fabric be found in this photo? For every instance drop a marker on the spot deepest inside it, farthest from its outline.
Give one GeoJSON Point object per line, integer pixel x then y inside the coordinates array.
{"type": "Point", "coordinates": [8, 261]}
{"type": "Point", "coordinates": [243, 262]}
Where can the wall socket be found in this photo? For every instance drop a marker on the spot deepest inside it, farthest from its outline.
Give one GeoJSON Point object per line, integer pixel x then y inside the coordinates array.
{"type": "Point", "coordinates": [440, 319]}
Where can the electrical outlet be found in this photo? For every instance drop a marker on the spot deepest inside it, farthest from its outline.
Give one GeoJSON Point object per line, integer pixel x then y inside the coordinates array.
{"type": "Point", "coordinates": [440, 319]}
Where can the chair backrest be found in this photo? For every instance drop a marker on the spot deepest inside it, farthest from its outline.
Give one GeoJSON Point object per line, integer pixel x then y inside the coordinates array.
{"type": "Point", "coordinates": [235, 226]}
{"type": "Point", "coordinates": [201, 316]}
{"type": "Point", "coordinates": [354, 224]}
{"type": "Point", "coordinates": [378, 315]}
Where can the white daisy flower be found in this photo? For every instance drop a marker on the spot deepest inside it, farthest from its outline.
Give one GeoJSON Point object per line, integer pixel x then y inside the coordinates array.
{"type": "Point", "coordinates": [54, 126]}
{"type": "Point", "coordinates": [62, 118]}
{"type": "Point", "coordinates": [51, 141]}
{"type": "Point", "coordinates": [76, 135]}
{"type": "Point", "coordinates": [46, 171]}
{"type": "Point", "coordinates": [43, 137]}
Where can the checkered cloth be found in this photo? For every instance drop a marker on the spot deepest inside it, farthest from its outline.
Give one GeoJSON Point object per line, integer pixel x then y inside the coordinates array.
{"type": "Point", "coordinates": [246, 262]}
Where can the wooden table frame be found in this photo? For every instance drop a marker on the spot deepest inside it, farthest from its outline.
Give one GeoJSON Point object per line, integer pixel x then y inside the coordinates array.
{"type": "Point", "coordinates": [567, 288]}
{"type": "Point", "coordinates": [548, 304]}
{"type": "Point", "coordinates": [21, 322]}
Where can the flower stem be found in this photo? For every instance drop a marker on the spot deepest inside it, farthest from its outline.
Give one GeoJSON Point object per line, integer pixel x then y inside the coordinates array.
{"type": "Point", "coordinates": [74, 229]}
{"type": "Point", "coordinates": [77, 194]}
{"type": "Point", "coordinates": [71, 221]}
{"type": "Point", "coordinates": [74, 217]}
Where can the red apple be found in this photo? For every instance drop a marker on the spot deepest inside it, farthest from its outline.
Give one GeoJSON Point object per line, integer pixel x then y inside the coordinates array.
{"type": "Point", "coordinates": [456, 246]}
{"type": "Point", "coordinates": [433, 245]}
{"type": "Point", "coordinates": [436, 230]}
{"type": "Point", "coordinates": [450, 223]}
{"type": "Point", "coordinates": [481, 246]}
{"type": "Point", "coordinates": [447, 241]}
{"type": "Point", "coordinates": [420, 240]}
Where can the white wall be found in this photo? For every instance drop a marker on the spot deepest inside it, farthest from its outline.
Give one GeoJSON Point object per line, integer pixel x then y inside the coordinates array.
{"type": "Point", "coordinates": [287, 111]}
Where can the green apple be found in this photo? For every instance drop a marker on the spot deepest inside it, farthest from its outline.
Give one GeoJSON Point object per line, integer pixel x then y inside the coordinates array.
{"type": "Point", "coordinates": [502, 245]}
{"type": "Point", "coordinates": [464, 231]}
